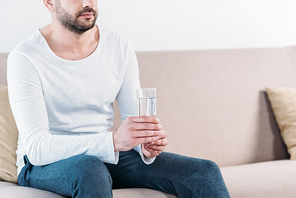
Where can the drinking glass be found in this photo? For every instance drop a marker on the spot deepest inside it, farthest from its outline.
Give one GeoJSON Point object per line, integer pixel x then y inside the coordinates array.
{"type": "Point", "coordinates": [146, 101]}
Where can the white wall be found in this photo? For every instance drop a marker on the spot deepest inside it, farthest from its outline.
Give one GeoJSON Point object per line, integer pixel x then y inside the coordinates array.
{"type": "Point", "coordinates": [170, 24]}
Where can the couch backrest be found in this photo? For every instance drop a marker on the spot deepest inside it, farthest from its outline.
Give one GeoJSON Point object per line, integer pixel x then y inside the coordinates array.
{"type": "Point", "coordinates": [212, 102]}
{"type": "Point", "coordinates": [3, 60]}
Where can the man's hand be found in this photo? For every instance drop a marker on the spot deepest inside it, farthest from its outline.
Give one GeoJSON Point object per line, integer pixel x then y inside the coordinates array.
{"type": "Point", "coordinates": [136, 130]}
{"type": "Point", "coordinates": [153, 149]}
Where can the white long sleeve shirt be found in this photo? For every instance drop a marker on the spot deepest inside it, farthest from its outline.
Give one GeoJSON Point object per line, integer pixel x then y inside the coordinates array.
{"type": "Point", "coordinates": [64, 108]}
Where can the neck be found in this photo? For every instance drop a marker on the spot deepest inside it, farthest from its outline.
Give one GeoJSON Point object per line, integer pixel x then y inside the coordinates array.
{"type": "Point", "coordinates": [70, 45]}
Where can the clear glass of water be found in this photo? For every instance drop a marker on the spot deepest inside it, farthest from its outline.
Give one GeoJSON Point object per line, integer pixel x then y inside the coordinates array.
{"type": "Point", "coordinates": [146, 101]}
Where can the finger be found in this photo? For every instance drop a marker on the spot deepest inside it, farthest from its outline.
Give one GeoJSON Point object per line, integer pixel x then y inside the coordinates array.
{"type": "Point", "coordinates": [146, 153]}
{"type": "Point", "coordinates": [154, 148]}
{"type": "Point", "coordinates": [163, 134]}
{"type": "Point", "coordinates": [152, 152]}
{"type": "Point", "coordinates": [147, 126]}
{"type": "Point", "coordinates": [144, 140]}
{"type": "Point", "coordinates": [146, 119]}
{"type": "Point", "coordinates": [146, 133]}
{"type": "Point", "coordinates": [160, 142]}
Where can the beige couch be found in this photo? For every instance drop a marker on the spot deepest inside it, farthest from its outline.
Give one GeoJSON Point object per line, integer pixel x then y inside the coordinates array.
{"type": "Point", "coordinates": [213, 105]}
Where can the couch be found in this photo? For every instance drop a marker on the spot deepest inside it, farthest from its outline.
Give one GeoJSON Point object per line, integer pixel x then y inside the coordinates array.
{"type": "Point", "coordinates": [214, 105]}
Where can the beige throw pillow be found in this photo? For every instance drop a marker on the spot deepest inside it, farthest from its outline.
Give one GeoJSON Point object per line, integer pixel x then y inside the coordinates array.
{"type": "Point", "coordinates": [283, 102]}
{"type": "Point", "coordinates": [8, 139]}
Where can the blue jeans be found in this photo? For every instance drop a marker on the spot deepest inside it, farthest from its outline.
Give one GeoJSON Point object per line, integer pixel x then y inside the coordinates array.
{"type": "Point", "coordinates": [87, 176]}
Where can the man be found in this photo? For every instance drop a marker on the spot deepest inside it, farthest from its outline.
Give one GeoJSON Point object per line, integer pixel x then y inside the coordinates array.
{"type": "Point", "coordinates": [62, 82]}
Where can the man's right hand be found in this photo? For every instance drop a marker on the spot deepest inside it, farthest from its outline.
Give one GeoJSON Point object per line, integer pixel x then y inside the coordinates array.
{"type": "Point", "coordinates": [136, 130]}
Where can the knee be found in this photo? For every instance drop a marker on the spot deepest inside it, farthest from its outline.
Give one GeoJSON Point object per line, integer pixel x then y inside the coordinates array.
{"type": "Point", "coordinates": [211, 167]}
{"type": "Point", "coordinates": [202, 171]}
{"type": "Point", "coordinates": [89, 174]}
{"type": "Point", "coordinates": [210, 171]}
{"type": "Point", "coordinates": [213, 180]}
{"type": "Point", "coordinates": [200, 178]}
{"type": "Point", "coordinates": [198, 170]}
{"type": "Point", "coordinates": [91, 167]}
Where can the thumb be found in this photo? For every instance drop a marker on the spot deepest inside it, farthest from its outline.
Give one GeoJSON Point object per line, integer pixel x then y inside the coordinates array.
{"type": "Point", "coordinates": [145, 152]}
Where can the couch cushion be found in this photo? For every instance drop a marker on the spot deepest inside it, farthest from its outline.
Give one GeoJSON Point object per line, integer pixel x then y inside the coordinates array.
{"type": "Point", "coordinates": [3, 62]}
{"type": "Point", "coordinates": [283, 102]}
{"type": "Point", "coordinates": [8, 139]}
{"type": "Point", "coordinates": [140, 192]}
{"type": "Point", "coordinates": [260, 180]}
{"type": "Point", "coordinates": [9, 190]}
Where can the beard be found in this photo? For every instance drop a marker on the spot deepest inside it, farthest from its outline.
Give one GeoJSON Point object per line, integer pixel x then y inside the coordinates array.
{"type": "Point", "coordinates": [72, 23]}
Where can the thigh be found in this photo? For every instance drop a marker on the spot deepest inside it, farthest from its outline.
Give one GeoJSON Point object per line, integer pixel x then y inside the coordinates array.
{"type": "Point", "coordinates": [78, 176]}
{"type": "Point", "coordinates": [174, 174]}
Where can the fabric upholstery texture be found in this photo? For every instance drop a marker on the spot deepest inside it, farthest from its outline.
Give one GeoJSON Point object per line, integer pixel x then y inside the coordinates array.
{"type": "Point", "coordinates": [9, 190]}
{"type": "Point", "coordinates": [274, 179]}
{"type": "Point", "coordinates": [8, 139]}
{"type": "Point", "coordinates": [3, 62]}
{"type": "Point", "coordinates": [283, 102]}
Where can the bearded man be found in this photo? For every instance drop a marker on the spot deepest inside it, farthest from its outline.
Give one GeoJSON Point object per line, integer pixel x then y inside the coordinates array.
{"type": "Point", "coordinates": [62, 82]}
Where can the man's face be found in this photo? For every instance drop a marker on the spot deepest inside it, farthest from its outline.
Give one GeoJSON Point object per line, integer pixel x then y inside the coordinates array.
{"type": "Point", "coordinates": [81, 21]}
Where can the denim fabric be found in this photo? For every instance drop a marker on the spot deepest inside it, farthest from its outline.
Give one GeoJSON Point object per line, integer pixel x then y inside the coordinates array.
{"type": "Point", "coordinates": [79, 176]}
{"type": "Point", "coordinates": [87, 176]}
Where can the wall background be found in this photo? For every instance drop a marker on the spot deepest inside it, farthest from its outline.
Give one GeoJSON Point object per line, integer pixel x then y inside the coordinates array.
{"type": "Point", "coordinates": [170, 24]}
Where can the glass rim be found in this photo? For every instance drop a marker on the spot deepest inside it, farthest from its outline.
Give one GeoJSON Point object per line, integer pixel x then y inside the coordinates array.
{"type": "Point", "coordinates": [146, 93]}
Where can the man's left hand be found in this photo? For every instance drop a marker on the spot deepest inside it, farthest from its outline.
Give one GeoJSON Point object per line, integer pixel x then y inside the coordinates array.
{"type": "Point", "coordinates": [153, 149]}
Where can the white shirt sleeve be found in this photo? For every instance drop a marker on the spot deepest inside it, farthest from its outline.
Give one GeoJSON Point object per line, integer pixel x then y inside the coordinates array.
{"type": "Point", "coordinates": [30, 113]}
{"type": "Point", "coordinates": [127, 98]}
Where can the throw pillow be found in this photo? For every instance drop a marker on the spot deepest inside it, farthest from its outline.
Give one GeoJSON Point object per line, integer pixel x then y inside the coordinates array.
{"type": "Point", "coordinates": [283, 103]}
{"type": "Point", "coordinates": [8, 139]}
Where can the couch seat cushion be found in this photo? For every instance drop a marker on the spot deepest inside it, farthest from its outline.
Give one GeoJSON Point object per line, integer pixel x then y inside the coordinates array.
{"type": "Point", "coordinates": [140, 192]}
{"type": "Point", "coordinates": [258, 180]}
{"type": "Point", "coordinates": [11, 190]}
